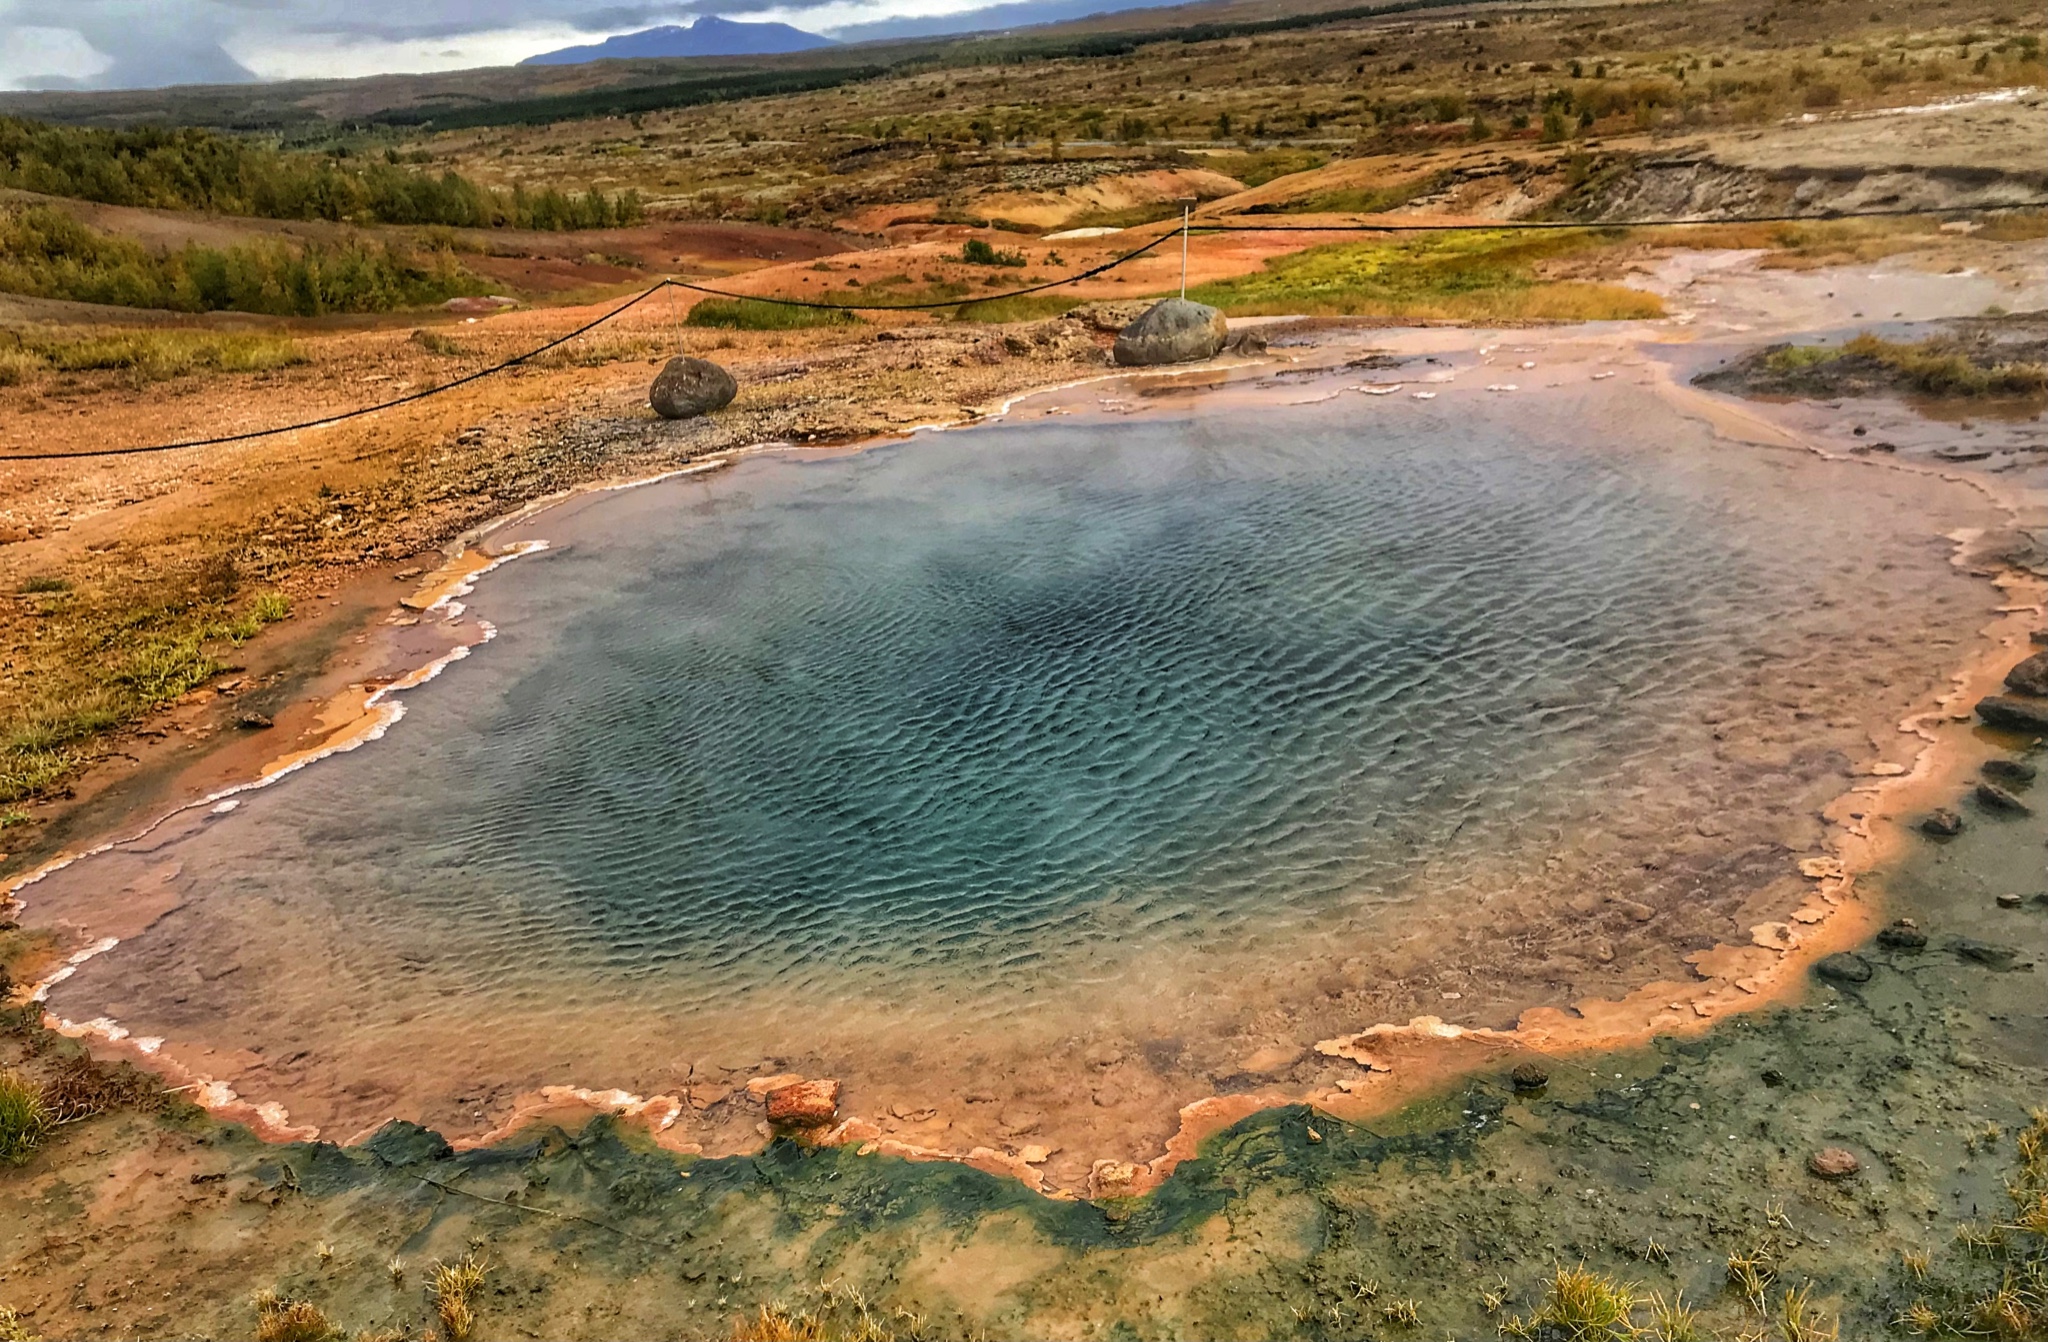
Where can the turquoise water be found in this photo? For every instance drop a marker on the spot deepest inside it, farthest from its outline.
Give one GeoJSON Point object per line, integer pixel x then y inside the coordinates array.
{"type": "Point", "coordinates": [1039, 722]}
{"type": "Point", "coordinates": [961, 702]}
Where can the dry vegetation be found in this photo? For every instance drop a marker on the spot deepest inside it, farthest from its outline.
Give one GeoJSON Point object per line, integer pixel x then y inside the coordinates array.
{"type": "Point", "coordinates": [1254, 107]}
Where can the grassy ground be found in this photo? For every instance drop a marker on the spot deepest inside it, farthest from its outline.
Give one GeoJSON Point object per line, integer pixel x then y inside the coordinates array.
{"type": "Point", "coordinates": [753, 314]}
{"type": "Point", "coordinates": [122, 660]}
{"type": "Point", "coordinates": [1459, 276]}
{"type": "Point", "coordinates": [144, 356]}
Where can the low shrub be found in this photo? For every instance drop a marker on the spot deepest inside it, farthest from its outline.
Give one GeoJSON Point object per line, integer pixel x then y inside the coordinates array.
{"type": "Point", "coordinates": [753, 314]}
{"type": "Point", "coordinates": [979, 252]}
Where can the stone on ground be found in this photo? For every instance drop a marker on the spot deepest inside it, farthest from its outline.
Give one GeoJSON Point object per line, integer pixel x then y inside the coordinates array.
{"type": "Point", "coordinates": [690, 387]}
{"type": "Point", "coordinates": [1173, 331]}
{"type": "Point", "coordinates": [804, 1104]}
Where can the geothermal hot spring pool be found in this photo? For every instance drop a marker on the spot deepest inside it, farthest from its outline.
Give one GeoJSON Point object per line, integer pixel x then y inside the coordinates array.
{"type": "Point", "coordinates": [1038, 778]}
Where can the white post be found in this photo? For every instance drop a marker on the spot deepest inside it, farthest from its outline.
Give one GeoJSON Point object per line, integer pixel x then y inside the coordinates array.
{"type": "Point", "coordinates": [1184, 211]}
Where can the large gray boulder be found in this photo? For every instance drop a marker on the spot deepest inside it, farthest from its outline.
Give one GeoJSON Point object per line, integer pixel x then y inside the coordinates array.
{"type": "Point", "coordinates": [1173, 331]}
{"type": "Point", "coordinates": [691, 387]}
{"type": "Point", "coordinates": [2014, 713]}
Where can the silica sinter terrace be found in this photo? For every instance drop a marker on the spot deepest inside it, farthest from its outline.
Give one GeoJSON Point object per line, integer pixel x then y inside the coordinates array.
{"type": "Point", "coordinates": [1040, 778]}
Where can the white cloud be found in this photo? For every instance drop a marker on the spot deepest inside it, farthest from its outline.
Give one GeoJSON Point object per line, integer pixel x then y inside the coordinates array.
{"type": "Point", "coordinates": [140, 43]}
{"type": "Point", "coordinates": [278, 55]}
{"type": "Point", "coordinates": [33, 52]}
{"type": "Point", "coordinates": [828, 18]}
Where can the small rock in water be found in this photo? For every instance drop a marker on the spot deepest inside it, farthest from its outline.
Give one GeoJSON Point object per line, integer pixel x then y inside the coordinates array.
{"type": "Point", "coordinates": [253, 722]}
{"type": "Point", "coordinates": [691, 387]}
{"type": "Point", "coordinates": [1903, 935]}
{"type": "Point", "coordinates": [2009, 771]}
{"type": "Point", "coordinates": [1843, 967]}
{"type": "Point", "coordinates": [1998, 799]}
{"type": "Point", "coordinates": [804, 1104]}
{"type": "Point", "coordinates": [1832, 1162]}
{"type": "Point", "coordinates": [1943, 824]}
{"type": "Point", "coordinates": [2030, 676]}
{"type": "Point", "coordinates": [2014, 714]}
{"type": "Point", "coordinates": [1773, 1078]}
{"type": "Point", "coordinates": [1173, 330]}
{"type": "Point", "coordinates": [2009, 901]}
{"type": "Point", "coordinates": [1527, 1077]}
{"type": "Point", "coordinates": [1984, 953]}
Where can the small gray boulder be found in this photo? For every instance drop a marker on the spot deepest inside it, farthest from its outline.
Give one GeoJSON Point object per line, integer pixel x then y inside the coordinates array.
{"type": "Point", "coordinates": [691, 387]}
{"type": "Point", "coordinates": [2030, 676]}
{"type": "Point", "coordinates": [1173, 331]}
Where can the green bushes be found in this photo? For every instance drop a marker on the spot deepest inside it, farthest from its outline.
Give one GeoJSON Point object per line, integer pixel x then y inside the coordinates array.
{"type": "Point", "coordinates": [978, 252]}
{"type": "Point", "coordinates": [753, 314]}
{"type": "Point", "coordinates": [46, 253]}
{"type": "Point", "coordinates": [188, 169]}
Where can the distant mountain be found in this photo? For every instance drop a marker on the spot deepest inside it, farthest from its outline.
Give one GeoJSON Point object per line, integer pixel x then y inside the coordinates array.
{"type": "Point", "coordinates": [708, 36]}
{"type": "Point", "coordinates": [993, 18]}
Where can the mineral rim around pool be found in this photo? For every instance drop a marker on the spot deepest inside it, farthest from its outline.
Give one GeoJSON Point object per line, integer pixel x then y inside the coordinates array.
{"type": "Point", "coordinates": [1038, 779]}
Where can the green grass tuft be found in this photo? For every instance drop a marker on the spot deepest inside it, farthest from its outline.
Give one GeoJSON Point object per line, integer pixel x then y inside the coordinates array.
{"type": "Point", "coordinates": [752, 314]}
{"type": "Point", "coordinates": [24, 1118]}
{"type": "Point", "coordinates": [1936, 368]}
{"type": "Point", "coordinates": [152, 356]}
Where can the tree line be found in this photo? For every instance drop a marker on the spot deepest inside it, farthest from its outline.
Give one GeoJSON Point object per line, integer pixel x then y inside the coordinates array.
{"type": "Point", "coordinates": [193, 169]}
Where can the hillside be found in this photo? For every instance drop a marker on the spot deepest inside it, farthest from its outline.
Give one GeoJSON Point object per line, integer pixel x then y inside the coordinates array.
{"type": "Point", "coordinates": [708, 36]}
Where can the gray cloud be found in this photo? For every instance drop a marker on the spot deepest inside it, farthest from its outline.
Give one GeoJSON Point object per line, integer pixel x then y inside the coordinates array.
{"type": "Point", "coordinates": [147, 43]}
{"type": "Point", "coordinates": [150, 43]}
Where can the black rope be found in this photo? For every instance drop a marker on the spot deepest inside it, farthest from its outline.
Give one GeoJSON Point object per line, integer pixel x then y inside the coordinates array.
{"type": "Point", "coordinates": [1538, 225]}
{"type": "Point", "coordinates": [341, 415]}
{"type": "Point", "coordinates": [1505, 225]}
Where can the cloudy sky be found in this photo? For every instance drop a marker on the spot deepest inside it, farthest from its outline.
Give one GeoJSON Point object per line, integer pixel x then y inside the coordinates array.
{"type": "Point", "coordinates": [148, 43]}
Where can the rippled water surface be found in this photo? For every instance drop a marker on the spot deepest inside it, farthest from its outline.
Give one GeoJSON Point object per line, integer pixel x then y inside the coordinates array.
{"type": "Point", "coordinates": [963, 730]}
{"type": "Point", "coordinates": [966, 703]}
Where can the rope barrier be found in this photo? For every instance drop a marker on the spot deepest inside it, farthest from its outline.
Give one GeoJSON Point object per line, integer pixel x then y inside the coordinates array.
{"type": "Point", "coordinates": [342, 415]}
{"type": "Point", "coordinates": [1392, 226]}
